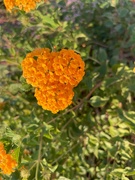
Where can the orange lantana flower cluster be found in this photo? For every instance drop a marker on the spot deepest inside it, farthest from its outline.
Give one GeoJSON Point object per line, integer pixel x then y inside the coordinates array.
{"type": "Point", "coordinates": [54, 75]}
{"type": "Point", "coordinates": [25, 5]}
{"type": "Point", "coordinates": [7, 163]}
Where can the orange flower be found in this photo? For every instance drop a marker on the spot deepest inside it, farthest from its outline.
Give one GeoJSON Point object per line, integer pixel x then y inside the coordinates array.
{"type": "Point", "coordinates": [7, 163]}
{"type": "Point", "coordinates": [54, 74]}
{"type": "Point", "coordinates": [25, 5]}
{"type": "Point", "coordinates": [55, 99]}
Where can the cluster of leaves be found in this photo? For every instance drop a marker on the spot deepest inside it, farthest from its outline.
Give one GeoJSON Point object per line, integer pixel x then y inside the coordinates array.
{"type": "Point", "coordinates": [95, 137]}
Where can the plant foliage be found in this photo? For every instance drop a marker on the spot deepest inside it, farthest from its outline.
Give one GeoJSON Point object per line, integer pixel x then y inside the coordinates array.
{"type": "Point", "coordinates": [94, 137]}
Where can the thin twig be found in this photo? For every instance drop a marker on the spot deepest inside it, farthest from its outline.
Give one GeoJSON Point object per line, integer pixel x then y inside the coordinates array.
{"type": "Point", "coordinates": [56, 160]}
{"type": "Point", "coordinates": [39, 154]}
{"type": "Point", "coordinates": [88, 95]}
{"type": "Point", "coordinates": [95, 43]}
{"type": "Point", "coordinates": [93, 59]}
{"type": "Point", "coordinates": [80, 103]}
{"type": "Point", "coordinates": [93, 89]}
{"type": "Point", "coordinates": [60, 115]}
{"type": "Point", "coordinates": [63, 128]}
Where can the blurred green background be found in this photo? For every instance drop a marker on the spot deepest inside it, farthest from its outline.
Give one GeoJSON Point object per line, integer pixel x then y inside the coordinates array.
{"type": "Point", "coordinates": [94, 138]}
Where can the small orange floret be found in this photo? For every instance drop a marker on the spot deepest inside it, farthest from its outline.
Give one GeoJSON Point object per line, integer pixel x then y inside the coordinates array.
{"type": "Point", "coordinates": [54, 74]}
{"type": "Point", "coordinates": [25, 5]}
{"type": "Point", "coordinates": [7, 163]}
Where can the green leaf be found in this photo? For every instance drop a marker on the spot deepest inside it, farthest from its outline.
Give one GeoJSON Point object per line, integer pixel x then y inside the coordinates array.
{"type": "Point", "coordinates": [97, 101]}
{"type": "Point", "coordinates": [108, 24]}
{"type": "Point", "coordinates": [16, 139]}
{"type": "Point", "coordinates": [113, 131]}
{"type": "Point", "coordinates": [47, 131]}
{"type": "Point", "coordinates": [48, 135]}
{"type": "Point", "coordinates": [50, 20]}
{"type": "Point", "coordinates": [102, 55]}
{"type": "Point", "coordinates": [88, 80]}
{"type": "Point", "coordinates": [114, 3]}
{"type": "Point", "coordinates": [14, 88]}
{"type": "Point", "coordinates": [22, 79]}
{"type": "Point", "coordinates": [123, 12]}
{"type": "Point", "coordinates": [118, 172]}
{"type": "Point", "coordinates": [10, 134]}
{"type": "Point", "coordinates": [47, 126]}
{"type": "Point", "coordinates": [15, 153]}
{"type": "Point", "coordinates": [131, 86]}
{"type": "Point", "coordinates": [124, 177]}
{"type": "Point", "coordinates": [111, 81]}
{"type": "Point", "coordinates": [52, 168]}
{"type": "Point", "coordinates": [25, 87]}
{"type": "Point", "coordinates": [128, 118]}
{"type": "Point", "coordinates": [63, 178]}
{"type": "Point", "coordinates": [103, 69]}
{"type": "Point", "coordinates": [131, 173]}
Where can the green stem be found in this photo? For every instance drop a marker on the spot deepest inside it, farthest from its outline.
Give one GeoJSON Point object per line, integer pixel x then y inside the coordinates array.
{"type": "Point", "coordinates": [56, 160]}
{"type": "Point", "coordinates": [80, 103]}
{"type": "Point", "coordinates": [39, 154]}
